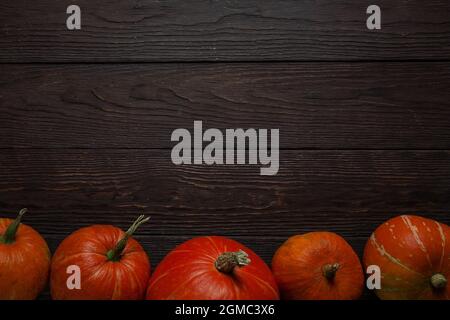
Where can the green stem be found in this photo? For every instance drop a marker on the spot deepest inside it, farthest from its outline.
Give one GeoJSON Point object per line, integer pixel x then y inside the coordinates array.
{"type": "Point", "coordinates": [116, 253]}
{"type": "Point", "coordinates": [227, 261]}
{"type": "Point", "coordinates": [329, 270]}
{"type": "Point", "coordinates": [10, 233]}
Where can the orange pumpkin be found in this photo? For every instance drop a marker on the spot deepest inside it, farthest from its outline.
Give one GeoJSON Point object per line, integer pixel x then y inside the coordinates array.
{"type": "Point", "coordinates": [24, 260]}
{"type": "Point", "coordinates": [113, 266]}
{"type": "Point", "coordinates": [212, 268]}
{"type": "Point", "coordinates": [413, 254]}
{"type": "Point", "coordinates": [318, 266]}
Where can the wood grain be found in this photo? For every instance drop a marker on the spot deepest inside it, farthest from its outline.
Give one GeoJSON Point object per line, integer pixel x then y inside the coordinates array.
{"type": "Point", "coordinates": [232, 30]}
{"type": "Point", "coordinates": [349, 192]}
{"type": "Point", "coordinates": [364, 116]}
{"type": "Point", "coordinates": [315, 105]}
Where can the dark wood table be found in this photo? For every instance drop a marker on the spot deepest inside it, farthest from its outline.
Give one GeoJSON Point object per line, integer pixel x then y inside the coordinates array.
{"type": "Point", "coordinates": [86, 116]}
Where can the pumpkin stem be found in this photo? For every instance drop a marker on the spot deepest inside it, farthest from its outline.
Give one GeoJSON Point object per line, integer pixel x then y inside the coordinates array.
{"type": "Point", "coordinates": [227, 261]}
{"type": "Point", "coordinates": [10, 233]}
{"type": "Point", "coordinates": [329, 270]}
{"type": "Point", "coordinates": [116, 253]}
{"type": "Point", "coordinates": [438, 281]}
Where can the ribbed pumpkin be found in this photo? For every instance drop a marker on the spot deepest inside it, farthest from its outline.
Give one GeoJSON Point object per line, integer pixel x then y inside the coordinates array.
{"type": "Point", "coordinates": [24, 260]}
{"type": "Point", "coordinates": [318, 266]}
{"type": "Point", "coordinates": [212, 268]}
{"type": "Point", "coordinates": [113, 265]}
{"type": "Point", "coordinates": [413, 254]}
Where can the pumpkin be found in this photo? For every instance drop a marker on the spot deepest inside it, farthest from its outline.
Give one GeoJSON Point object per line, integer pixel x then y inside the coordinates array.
{"type": "Point", "coordinates": [24, 260]}
{"type": "Point", "coordinates": [112, 265]}
{"type": "Point", "coordinates": [318, 266]}
{"type": "Point", "coordinates": [413, 254]}
{"type": "Point", "coordinates": [212, 268]}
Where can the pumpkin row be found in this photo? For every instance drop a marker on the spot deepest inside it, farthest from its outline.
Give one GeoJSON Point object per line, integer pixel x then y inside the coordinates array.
{"type": "Point", "coordinates": [412, 252]}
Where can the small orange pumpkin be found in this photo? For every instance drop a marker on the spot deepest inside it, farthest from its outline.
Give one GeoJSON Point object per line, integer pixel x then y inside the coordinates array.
{"type": "Point", "coordinates": [113, 265]}
{"type": "Point", "coordinates": [413, 254]}
{"type": "Point", "coordinates": [24, 260]}
{"type": "Point", "coordinates": [318, 266]}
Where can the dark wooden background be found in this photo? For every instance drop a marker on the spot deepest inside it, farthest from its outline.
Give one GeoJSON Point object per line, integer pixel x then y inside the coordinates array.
{"type": "Point", "coordinates": [86, 116]}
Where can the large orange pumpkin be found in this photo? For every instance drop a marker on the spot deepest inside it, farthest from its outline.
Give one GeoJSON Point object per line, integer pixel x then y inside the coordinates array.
{"type": "Point", "coordinates": [318, 266]}
{"type": "Point", "coordinates": [113, 266]}
{"type": "Point", "coordinates": [212, 268]}
{"type": "Point", "coordinates": [413, 254]}
{"type": "Point", "coordinates": [24, 260]}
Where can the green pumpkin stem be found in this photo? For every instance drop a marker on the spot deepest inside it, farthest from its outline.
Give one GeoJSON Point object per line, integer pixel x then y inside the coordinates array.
{"type": "Point", "coordinates": [10, 233]}
{"type": "Point", "coordinates": [116, 253]}
{"type": "Point", "coordinates": [227, 261]}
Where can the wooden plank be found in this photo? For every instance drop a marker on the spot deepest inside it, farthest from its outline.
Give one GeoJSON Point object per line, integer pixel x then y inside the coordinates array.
{"type": "Point", "coordinates": [200, 30]}
{"type": "Point", "coordinates": [315, 105]}
{"type": "Point", "coordinates": [349, 192]}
